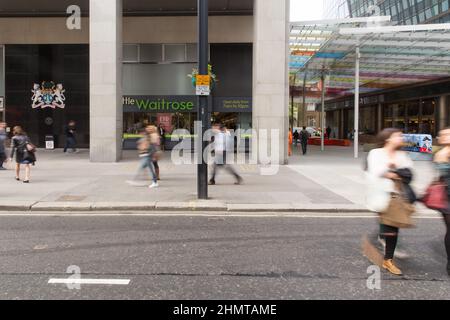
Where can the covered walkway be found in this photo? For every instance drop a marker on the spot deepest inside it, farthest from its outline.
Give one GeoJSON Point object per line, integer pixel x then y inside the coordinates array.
{"type": "Point", "coordinates": [351, 57]}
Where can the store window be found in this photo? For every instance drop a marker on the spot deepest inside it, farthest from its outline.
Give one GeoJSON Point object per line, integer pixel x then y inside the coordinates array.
{"type": "Point", "coordinates": [368, 120]}
{"type": "Point", "coordinates": [428, 119]}
{"type": "Point", "coordinates": [413, 117]}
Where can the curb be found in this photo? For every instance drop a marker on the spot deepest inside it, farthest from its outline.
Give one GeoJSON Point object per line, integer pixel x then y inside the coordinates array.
{"type": "Point", "coordinates": [193, 206]}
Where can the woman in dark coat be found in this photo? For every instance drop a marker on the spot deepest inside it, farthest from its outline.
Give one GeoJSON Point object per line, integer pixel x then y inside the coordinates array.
{"type": "Point", "coordinates": [20, 145]}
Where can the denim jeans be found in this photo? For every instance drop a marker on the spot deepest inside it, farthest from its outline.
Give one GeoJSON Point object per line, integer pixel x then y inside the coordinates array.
{"type": "Point", "coordinates": [70, 143]}
{"type": "Point", "coordinates": [146, 162]}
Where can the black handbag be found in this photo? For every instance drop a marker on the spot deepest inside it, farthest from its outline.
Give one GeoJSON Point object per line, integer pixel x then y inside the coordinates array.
{"type": "Point", "coordinates": [29, 156]}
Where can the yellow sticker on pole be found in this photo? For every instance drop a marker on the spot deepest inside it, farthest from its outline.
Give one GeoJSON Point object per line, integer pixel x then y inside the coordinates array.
{"type": "Point", "coordinates": [203, 80]}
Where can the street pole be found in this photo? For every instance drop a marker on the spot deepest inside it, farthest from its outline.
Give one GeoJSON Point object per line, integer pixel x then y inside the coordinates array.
{"type": "Point", "coordinates": [356, 135]}
{"type": "Point", "coordinates": [202, 114]}
{"type": "Point", "coordinates": [292, 103]}
{"type": "Point", "coordinates": [304, 124]}
{"type": "Point", "coordinates": [322, 114]}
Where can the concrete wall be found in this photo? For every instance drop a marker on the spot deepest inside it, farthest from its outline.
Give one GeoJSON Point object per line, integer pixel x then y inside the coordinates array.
{"type": "Point", "coordinates": [223, 29]}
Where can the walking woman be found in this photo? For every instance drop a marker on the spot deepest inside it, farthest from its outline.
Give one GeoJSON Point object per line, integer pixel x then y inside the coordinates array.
{"type": "Point", "coordinates": [442, 161]}
{"type": "Point", "coordinates": [384, 165]}
{"type": "Point", "coordinates": [22, 148]}
{"type": "Point", "coordinates": [146, 154]}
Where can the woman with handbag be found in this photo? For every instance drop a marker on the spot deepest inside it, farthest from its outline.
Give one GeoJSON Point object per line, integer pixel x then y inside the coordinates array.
{"type": "Point", "coordinates": [385, 194]}
{"type": "Point", "coordinates": [24, 152]}
{"type": "Point", "coordinates": [442, 161]}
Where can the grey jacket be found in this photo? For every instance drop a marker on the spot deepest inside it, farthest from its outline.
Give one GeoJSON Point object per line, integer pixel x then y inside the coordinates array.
{"type": "Point", "coordinates": [3, 138]}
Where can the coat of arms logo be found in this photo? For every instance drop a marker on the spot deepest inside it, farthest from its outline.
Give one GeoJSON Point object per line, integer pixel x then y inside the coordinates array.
{"type": "Point", "coordinates": [48, 95]}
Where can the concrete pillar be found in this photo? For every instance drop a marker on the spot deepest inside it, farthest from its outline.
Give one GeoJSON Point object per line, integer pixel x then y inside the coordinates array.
{"type": "Point", "coordinates": [270, 71]}
{"type": "Point", "coordinates": [105, 20]}
{"type": "Point", "coordinates": [443, 113]}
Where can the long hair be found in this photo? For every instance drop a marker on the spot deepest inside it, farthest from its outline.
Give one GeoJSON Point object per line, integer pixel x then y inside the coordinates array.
{"type": "Point", "coordinates": [384, 136]}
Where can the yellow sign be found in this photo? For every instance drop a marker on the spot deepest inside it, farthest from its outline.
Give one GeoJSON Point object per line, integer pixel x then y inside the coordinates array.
{"type": "Point", "coordinates": [203, 80]}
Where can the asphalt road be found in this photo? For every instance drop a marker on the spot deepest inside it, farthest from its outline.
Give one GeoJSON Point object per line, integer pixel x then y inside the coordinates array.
{"type": "Point", "coordinates": [183, 257]}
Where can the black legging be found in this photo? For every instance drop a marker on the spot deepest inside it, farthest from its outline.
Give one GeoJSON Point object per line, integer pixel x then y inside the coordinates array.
{"type": "Point", "coordinates": [390, 235]}
{"type": "Point", "coordinates": [447, 236]}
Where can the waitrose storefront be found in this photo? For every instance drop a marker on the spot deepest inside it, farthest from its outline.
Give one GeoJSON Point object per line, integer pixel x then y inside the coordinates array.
{"type": "Point", "coordinates": [180, 112]}
{"type": "Point", "coordinates": [158, 90]}
{"type": "Point", "coordinates": [56, 70]}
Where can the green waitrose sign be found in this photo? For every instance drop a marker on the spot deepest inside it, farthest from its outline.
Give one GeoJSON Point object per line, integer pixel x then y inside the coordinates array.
{"type": "Point", "coordinates": [159, 104]}
{"type": "Point", "coordinates": [173, 104]}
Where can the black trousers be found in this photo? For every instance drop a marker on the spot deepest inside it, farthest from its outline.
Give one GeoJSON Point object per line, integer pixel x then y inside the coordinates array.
{"type": "Point", "coordinates": [390, 235]}
{"type": "Point", "coordinates": [2, 158]}
{"type": "Point", "coordinates": [447, 236]}
{"type": "Point", "coordinates": [304, 147]}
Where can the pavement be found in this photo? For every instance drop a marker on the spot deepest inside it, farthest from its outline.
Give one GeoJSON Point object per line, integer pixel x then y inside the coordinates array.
{"type": "Point", "coordinates": [212, 257]}
{"type": "Point", "coordinates": [330, 181]}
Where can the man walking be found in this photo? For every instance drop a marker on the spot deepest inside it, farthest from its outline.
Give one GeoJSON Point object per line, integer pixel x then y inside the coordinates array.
{"type": "Point", "coordinates": [69, 132]}
{"type": "Point", "coordinates": [304, 137]}
{"type": "Point", "coordinates": [162, 135]}
{"type": "Point", "coordinates": [221, 142]}
{"type": "Point", "coordinates": [3, 137]}
{"type": "Point", "coordinates": [329, 132]}
{"type": "Point", "coordinates": [296, 137]}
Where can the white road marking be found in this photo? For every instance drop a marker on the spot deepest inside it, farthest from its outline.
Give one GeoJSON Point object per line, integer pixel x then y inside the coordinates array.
{"type": "Point", "coordinates": [121, 282]}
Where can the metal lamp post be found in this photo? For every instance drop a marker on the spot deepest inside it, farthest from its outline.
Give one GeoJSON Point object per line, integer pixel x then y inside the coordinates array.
{"type": "Point", "coordinates": [202, 115]}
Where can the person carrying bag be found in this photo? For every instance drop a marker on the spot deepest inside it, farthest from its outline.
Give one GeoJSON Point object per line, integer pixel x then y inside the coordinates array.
{"type": "Point", "coordinates": [24, 151]}
{"type": "Point", "coordinates": [399, 211]}
{"type": "Point", "coordinates": [438, 193]}
{"type": "Point", "coordinates": [389, 173]}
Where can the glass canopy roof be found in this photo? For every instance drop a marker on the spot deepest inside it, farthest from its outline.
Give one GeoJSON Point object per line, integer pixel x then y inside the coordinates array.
{"type": "Point", "coordinates": [390, 56]}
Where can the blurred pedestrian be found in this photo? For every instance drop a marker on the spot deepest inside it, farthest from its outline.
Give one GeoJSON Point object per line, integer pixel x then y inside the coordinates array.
{"type": "Point", "coordinates": [162, 135]}
{"type": "Point", "coordinates": [442, 162]}
{"type": "Point", "coordinates": [386, 167]}
{"type": "Point", "coordinates": [156, 140]}
{"type": "Point", "coordinates": [296, 137]}
{"type": "Point", "coordinates": [222, 144]}
{"type": "Point", "coordinates": [329, 132]}
{"type": "Point", "coordinates": [291, 141]}
{"type": "Point", "coordinates": [24, 151]}
{"type": "Point", "coordinates": [3, 137]}
{"type": "Point", "coordinates": [147, 151]}
{"type": "Point", "coordinates": [69, 132]}
{"type": "Point", "coordinates": [304, 137]}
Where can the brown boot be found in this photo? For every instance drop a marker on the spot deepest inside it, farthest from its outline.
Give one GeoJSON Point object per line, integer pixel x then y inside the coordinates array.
{"type": "Point", "coordinates": [392, 268]}
{"type": "Point", "coordinates": [157, 174]}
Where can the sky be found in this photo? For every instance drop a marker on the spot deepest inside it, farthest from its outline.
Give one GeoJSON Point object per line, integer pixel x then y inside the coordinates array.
{"type": "Point", "coordinates": [303, 10]}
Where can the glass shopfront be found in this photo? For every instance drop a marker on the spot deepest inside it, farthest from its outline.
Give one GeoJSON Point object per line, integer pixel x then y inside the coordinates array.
{"type": "Point", "coordinates": [415, 117]}
{"type": "Point", "coordinates": [157, 89]}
